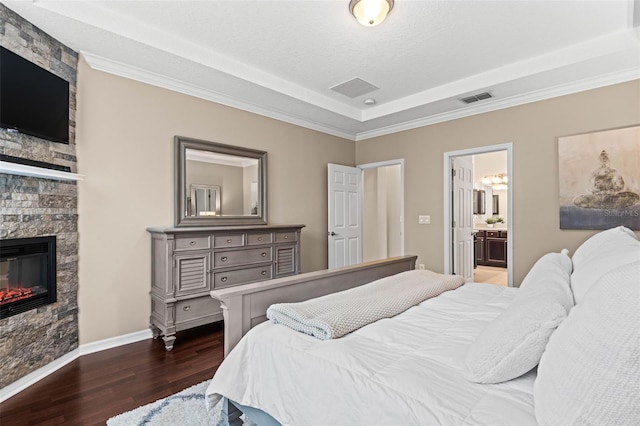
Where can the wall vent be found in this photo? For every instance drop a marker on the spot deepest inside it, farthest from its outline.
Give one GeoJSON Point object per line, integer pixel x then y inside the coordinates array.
{"type": "Point", "coordinates": [477, 97]}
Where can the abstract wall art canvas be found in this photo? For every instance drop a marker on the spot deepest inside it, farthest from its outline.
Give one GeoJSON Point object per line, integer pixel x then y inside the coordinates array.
{"type": "Point", "coordinates": [599, 176]}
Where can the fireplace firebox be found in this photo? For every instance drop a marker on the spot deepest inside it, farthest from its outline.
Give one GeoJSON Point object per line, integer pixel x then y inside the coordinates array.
{"type": "Point", "coordinates": [27, 274]}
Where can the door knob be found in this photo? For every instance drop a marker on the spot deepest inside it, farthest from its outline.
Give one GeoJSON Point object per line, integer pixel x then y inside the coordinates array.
{"type": "Point", "coordinates": [332, 234]}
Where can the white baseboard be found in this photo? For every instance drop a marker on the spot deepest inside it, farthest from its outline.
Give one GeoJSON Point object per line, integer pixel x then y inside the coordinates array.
{"type": "Point", "coordinates": [37, 375]}
{"type": "Point", "coordinates": [89, 348]}
{"type": "Point", "coordinates": [114, 342]}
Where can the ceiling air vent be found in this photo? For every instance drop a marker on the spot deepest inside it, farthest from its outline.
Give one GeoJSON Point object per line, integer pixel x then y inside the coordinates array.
{"type": "Point", "coordinates": [477, 97]}
{"type": "Point", "coordinates": [354, 87]}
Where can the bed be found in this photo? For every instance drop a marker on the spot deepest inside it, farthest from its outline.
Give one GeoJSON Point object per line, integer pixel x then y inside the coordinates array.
{"type": "Point", "coordinates": [564, 348]}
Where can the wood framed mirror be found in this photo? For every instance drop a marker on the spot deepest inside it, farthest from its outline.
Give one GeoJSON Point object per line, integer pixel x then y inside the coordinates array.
{"type": "Point", "coordinates": [218, 184]}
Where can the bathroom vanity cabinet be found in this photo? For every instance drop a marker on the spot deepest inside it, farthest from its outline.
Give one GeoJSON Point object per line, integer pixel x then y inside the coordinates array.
{"type": "Point", "coordinates": [491, 248]}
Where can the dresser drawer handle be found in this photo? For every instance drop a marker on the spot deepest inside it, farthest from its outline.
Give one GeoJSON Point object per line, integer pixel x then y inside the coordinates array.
{"type": "Point", "coordinates": [229, 241]}
{"type": "Point", "coordinates": [259, 238]}
{"type": "Point", "coordinates": [286, 237]}
{"type": "Point", "coordinates": [186, 308]}
{"type": "Point", "coordinates": [223, 259]}
{"type": "Point", "coordinates": [263, 254]}
{"type": "Point", "coordinates": [223, 279]}
{"type": "Point", "coordinates": [192, 243]}
{"type": "Point", "coordinates": [264, 272]}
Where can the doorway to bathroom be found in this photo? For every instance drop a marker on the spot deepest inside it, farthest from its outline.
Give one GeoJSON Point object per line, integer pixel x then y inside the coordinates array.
{"type": "Point", "coordinates": [478, 202]}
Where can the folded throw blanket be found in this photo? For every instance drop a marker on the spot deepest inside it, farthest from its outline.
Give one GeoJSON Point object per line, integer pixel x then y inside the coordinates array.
{"type": "Point", "coordinates": [337, 314]}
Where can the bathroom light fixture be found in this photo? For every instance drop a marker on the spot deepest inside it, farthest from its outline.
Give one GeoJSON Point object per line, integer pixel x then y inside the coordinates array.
{"type": "Point", "coordinates": [370, 12]}
{"type": "Point", "coordinates": [497, 182]}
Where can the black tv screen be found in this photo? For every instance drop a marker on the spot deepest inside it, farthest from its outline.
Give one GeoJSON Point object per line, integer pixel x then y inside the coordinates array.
{"type": "Point", "coordinates": [33, 100]}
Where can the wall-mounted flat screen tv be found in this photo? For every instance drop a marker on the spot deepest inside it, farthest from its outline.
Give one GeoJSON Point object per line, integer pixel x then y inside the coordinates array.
{"type": "Point", "coordinates": [33, 100]}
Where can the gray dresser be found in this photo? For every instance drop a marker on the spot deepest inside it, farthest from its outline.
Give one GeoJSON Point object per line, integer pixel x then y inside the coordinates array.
{"type": "Point", "coordinates": [187, 263]}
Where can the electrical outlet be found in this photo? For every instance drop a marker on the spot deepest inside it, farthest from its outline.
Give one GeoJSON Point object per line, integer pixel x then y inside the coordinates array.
{"type": "Point", "coordinates": [421, 266]}
{"type": "Point", "coordinates": [424, 219]}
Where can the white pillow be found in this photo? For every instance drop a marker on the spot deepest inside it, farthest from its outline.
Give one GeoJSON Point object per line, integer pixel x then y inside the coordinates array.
{"type": "Point", "coordinates": [590, 371]}
{"type": "Point", "coordinates": [591, 246]}
{"type": "Point", "coordinates": [513, 343]}
{"type": "Point", "coordinates": [550, 275]}
{"type": "Point", "coordinates": [600, 254]}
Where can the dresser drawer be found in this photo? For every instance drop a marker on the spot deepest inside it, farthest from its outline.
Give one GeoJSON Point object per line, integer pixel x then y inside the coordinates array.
{"type": "Point", "coordinates": [242, 257]}
{"type": "Point", "coordinates": [241, 276]}
{"type": "Point", "coordinates": [195, 309]}
{"type": "Point", "coordinates": [254, 239]}
{"type": "Point", "coordinates": [191, 243]}
{"type": "Point", "coordinates": [233, 240]}
{"type": "Point", "coordinates": [286, 236]}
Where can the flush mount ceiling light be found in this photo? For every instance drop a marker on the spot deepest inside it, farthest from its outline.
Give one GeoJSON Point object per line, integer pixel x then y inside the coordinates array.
{"type": "Point", "coordinates": [370, 12]}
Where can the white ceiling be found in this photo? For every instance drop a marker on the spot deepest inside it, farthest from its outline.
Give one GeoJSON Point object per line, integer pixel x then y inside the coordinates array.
{"type": "Point", "coordinates": [280, 58]}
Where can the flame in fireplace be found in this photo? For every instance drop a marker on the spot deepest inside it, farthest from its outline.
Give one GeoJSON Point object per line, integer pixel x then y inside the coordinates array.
{"type": "Point", "coordinates": [8, 295]}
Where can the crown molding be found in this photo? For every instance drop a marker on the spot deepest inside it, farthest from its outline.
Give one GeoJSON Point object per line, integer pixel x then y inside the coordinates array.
{"type": "Point", "coordinates": [100, 63]}
{"type": "Point", "coordinates": [124, 70]}
{"type": "Point", "coordinates": [104, 18]}
{"type": "Point", "coordinates": [535, 96]}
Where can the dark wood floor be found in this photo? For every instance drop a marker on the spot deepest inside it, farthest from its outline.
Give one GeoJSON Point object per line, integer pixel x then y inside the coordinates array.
{"type": "Point", "coordinates": [98, 386]}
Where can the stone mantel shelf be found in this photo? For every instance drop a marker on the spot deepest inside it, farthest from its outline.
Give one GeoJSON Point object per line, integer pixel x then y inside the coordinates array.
{"type": "Point", "coordinates": [23, 170]}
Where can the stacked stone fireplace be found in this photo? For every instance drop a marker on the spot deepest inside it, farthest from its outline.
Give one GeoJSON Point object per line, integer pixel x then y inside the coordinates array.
{"type": "Point", "coordinates": [39, 207]}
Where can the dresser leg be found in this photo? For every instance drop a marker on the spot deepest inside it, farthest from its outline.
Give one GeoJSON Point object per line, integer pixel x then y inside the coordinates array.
{"type": "Point", "coordinates": [168, 341]}
{"type": "Point", "coordinates": [155, 331]}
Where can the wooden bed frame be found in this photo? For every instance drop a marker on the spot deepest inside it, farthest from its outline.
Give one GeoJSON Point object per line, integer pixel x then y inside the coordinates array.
{"type": "Point", "coordinates": [245, 306]}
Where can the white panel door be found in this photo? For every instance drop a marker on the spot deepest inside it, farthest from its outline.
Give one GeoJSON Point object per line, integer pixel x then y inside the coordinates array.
{"type": "Point", "coordinates": [463, 250]}
{"type": "Point", "coordinates": [345, 215]}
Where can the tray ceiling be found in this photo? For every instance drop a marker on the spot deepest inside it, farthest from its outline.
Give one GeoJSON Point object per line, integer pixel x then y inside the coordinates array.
{"type": "Point", "coordinates": [284, 59]}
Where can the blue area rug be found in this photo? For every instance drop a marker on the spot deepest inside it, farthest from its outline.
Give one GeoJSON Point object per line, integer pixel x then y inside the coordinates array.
{"type": "Point", "coordinates": [185, 408]}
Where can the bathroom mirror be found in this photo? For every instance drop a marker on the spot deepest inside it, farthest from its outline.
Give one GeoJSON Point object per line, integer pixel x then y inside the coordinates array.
{"type": "Point", "coordinates": [479, 201]}
{"type": "Point", "coordinates": [218, 184]}
{"type": "Point", "coordinates": [496, 204]}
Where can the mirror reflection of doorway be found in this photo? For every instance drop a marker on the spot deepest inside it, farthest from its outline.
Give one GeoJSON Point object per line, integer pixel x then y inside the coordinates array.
{"type": "Point", "coordinates": [204, 200]}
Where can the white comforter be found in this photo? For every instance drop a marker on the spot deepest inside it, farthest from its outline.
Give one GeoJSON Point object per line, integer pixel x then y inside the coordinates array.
{"type": "Point", "coordinates": [403, 370]}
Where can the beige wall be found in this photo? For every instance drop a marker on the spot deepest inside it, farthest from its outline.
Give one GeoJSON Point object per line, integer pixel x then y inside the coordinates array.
{"type": "Point", "coordinates": [533, 130]}
{"type": "Point", "coordinates": [125, 135]}
{"type": "Point", "coordinates": [124, 140]}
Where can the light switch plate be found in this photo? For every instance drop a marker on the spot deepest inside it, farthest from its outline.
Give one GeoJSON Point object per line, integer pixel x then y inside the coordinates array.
{"type": "Point", "coordinates": [424, 219]}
